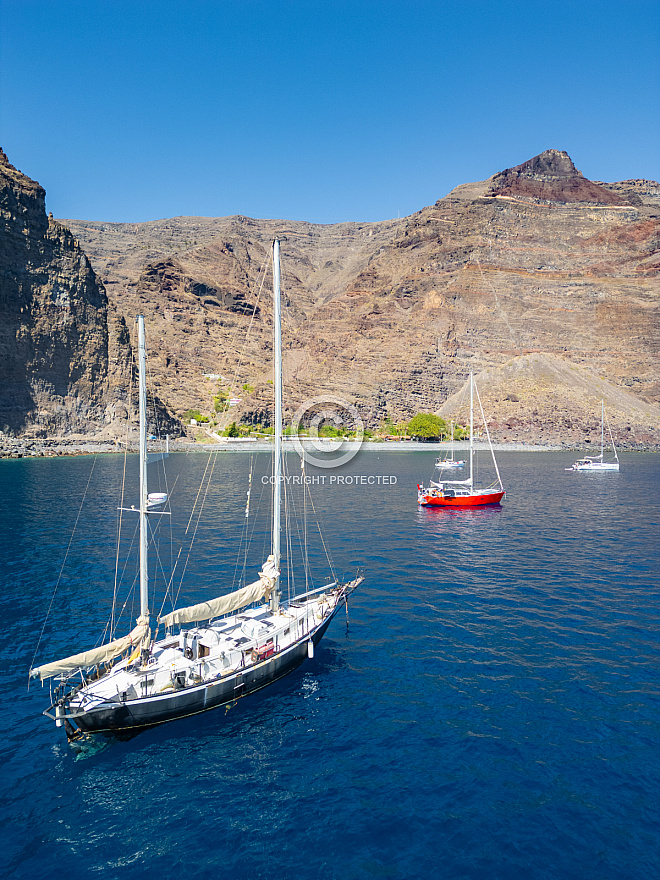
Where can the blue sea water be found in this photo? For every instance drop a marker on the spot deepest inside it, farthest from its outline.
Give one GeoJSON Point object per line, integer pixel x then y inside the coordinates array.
{"type": "Point", "coordinates": [490, 711]}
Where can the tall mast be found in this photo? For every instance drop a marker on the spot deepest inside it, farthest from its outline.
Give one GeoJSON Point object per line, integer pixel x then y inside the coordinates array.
{"type": "Point", "coordinates": [142, 375]}
{"type": "Point", "coordinates": [602, 424]}
{"type": "Point", "coordinates": [277, 381]}
{"type": "Point", "coordinates": [471, 424]}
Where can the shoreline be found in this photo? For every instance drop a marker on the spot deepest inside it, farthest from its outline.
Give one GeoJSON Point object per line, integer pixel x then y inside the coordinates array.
{"type": "Point", "coordinates": [51, 448]}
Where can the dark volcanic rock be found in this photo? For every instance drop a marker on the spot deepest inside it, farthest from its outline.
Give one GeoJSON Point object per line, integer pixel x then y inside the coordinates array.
{"type": "Point", "coordinates": [551, 176]}
{"type": "Point", "coordinates": [53, 318]}
{"type": "Point", "coordinates": [65, 355]}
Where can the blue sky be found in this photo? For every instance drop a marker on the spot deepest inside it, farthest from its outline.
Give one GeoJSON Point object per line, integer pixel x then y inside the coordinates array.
{"type": "Point", "coordinates": [323, 111]}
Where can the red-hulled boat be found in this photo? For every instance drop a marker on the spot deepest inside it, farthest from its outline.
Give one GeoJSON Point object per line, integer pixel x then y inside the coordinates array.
{"type": "Point", "coordinates": [445, 495]}
{"type": "Point", "coordinates": [462, 493]}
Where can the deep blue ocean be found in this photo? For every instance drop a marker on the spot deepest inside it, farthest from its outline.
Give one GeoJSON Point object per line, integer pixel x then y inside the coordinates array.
{"type": "Point", "coordinates": [491, 710]}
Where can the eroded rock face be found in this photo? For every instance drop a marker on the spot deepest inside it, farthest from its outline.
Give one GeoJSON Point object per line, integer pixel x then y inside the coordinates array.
{"type": "Point", "coordinates": [53, 319]}
{"type": "Point", "coordinates": [393, 316]}
{"type": "Point", "coordinates": [65, 353]}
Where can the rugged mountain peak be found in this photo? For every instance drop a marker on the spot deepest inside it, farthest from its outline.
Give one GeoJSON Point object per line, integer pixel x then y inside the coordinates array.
{"type": "Point", "coordinates": [11, 175]}
{"type": "Point", "coordinates": [21, 198]}
{"type": "Point", "coordinates": [550, 177]}
{"type": "Point", "coordinates": [549, 163]}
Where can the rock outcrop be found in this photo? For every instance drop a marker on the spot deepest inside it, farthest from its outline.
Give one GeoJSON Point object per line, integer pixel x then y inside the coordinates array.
{"type": "Point", "coordinates": [65, 353]}
{"type": "Point", "coordinates": [552, 177]}
{"type": "Point", "coordinates": [53, 319]}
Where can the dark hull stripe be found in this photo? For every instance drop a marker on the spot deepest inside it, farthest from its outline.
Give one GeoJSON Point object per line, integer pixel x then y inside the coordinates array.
{"type": "Point", "coordinates": [150, 711]}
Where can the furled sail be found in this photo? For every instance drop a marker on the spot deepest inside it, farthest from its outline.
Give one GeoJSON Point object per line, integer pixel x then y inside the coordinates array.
{"type": "Point", "coordinates": [96, 655]}
{"type": "Point", "coordinates": [225, 604]}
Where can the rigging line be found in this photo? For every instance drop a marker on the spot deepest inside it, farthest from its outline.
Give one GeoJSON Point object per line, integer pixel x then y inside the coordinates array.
{"type": "Point", "coordinates": [168, 584]}
{"type": "Point", "coordinates": [120, 514]}
{"type": "Point", "coordinates": [497, 470]}
{"type": "Point", "coordinates": [161, 462]}
{"type": "Point", "coordinates": [129, 596]}
{"type": "Point", "coordinates": [306, 548]}
{"type": "Point", "coordinates": [232, 344]}
{"type": "Point", "coordinates": [302, 539]}
{"type": "Point", "coordinates": [247, 514]}
{"type": "Point", "coordinates": [289, 559]}
{"type": "Point", "coordinates": [609, 429]}
{"type": "Point", "coordinates": [292, 519]}
{"type": "Point", "coordinates": [153, 544]}
{"type": "Point", "coordinates": [162, 468]}
{"type": "Point", "coordinates": [240, 549]}
{"type": "Point", "coordinates": [115, 622]}
{"type": "Point", "coordinates": [254, 524]}
{"type": "Point", "coordinates": [66, 555]}
{"type": "Point", "coordinates": [252, 317]}
{"type": "Point", "coordinates": [201, 483]}
{"type": "Point", "coordinates": [181, 548]}
{"type": "Point", "coordinates": [499, 307]}
{"type": "Point", "coordinates": [318, 526]}
{"type": "Point", "coordinates": [192, 540]}
{"type": "Point", "coordinates": [242, 542]}
{"type": "Point", "coordinates": [123, 487]}
{"type": "Point", "coordinates": [295, 518]}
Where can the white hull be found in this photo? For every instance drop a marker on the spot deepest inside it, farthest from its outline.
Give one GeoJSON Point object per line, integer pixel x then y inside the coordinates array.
{"type": "Point", "coordinates": [595, 462]}
{"type": "Point", "coordinates": [448, 463]}
{"type": "Point", "coordinates": [595, 466]}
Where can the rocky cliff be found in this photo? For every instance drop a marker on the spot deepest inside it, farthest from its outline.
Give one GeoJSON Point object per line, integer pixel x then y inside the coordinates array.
{"type": "Point", "coordinates": [542, 282]}
{"type": "Point", "coordinates": [65, 354]}
{"type": "Point", "coordinates": [538, 278]}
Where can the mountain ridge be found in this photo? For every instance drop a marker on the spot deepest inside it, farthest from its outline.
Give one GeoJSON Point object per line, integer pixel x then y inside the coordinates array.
{"type": "Point", "coordinates": [392, 316]}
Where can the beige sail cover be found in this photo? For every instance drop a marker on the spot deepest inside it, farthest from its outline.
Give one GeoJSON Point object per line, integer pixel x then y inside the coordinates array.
{"type": "Point", "coordinates": [216, 607]}
{"type": "Point", "coordinates": [96, 655]}
{"type": "Point", "coordinates": [225, 604]}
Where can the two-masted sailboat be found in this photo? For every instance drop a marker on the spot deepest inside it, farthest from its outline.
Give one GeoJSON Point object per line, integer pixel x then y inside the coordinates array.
{"type": "Point", "coordinates": [597, 463]}
{"type": "Point", "coordinates": [211, 653]}
{"type": "Point", "coordinates": [463, 493]}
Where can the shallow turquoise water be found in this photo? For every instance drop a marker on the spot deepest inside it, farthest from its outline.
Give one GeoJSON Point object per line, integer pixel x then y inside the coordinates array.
{"type": "Point", "coordinates": [491, 711]}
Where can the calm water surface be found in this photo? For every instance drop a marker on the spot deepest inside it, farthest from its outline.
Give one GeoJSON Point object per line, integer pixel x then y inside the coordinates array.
{"type": "Point", "coordinates": [491, 711]}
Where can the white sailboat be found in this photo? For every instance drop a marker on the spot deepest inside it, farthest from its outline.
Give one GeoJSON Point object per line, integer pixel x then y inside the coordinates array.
{"type": "Point", "coordinates": [451, 462]}
{"type": "Point", "coordinates": [237, 643]}
{"type": "Point", "coordinates": [597, 462]}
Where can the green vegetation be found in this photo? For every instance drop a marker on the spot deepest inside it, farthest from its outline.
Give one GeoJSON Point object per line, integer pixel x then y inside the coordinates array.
{"type": "Point", "coordinates": [426, 426]}
{"type": "Point", "coordinates": [390, 429]}
{"type": "Point", "coordinates": [194, 414]}
{"type": "Point", "coordinates": [221, 400]}
{"type": "Point", "coordinates": [331, 431]}
{"type": "Point", "coordinates": [232, 431]}
{"type": "Point", "coordinates": [248, 388]}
